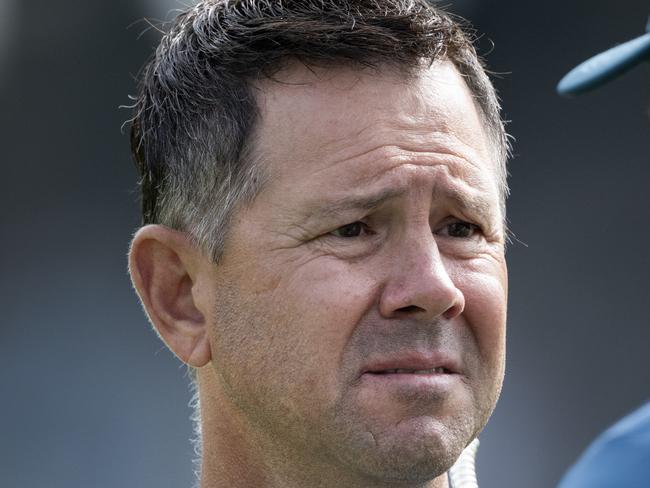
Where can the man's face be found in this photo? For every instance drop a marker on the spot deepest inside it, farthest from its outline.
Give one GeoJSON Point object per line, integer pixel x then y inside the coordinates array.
{"type": "Point", "coordinates": [360, 306]}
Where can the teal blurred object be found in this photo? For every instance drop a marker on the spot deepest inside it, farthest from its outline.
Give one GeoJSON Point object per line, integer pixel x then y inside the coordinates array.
{"type": "Point", "coordinates": [606, 66]}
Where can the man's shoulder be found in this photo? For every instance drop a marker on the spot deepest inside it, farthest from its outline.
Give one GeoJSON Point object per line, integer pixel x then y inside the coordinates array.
{"type": "Point", "coordinates": [618, 457]}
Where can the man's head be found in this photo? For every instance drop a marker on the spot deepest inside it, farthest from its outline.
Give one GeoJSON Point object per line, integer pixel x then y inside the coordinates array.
{"type": "Point", "coordinates": [335, 181]}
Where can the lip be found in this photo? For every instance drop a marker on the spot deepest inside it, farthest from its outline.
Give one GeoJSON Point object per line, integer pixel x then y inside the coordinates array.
{"type": "Point", "coordinates": [380, 376]}
{"type": "Point", "coordinates": [385, 366]}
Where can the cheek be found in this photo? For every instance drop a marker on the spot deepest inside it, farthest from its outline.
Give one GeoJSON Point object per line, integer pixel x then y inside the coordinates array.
{"type": "Point", "coordinates": [299, 322]}
{"type": "Point", "coordinates": [328, 298]}
{"type": "Point", "coordinates": [485, 288]}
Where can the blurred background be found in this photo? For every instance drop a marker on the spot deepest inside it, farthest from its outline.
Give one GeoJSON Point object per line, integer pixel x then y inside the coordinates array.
{"type": "Point", "coordinates": [89, 397]}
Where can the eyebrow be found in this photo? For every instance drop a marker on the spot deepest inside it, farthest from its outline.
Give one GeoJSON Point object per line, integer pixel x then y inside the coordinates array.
{"type": "Point", "coordinates": [470, 203]}
{"type": "Point", "coordinates": [353, 202]}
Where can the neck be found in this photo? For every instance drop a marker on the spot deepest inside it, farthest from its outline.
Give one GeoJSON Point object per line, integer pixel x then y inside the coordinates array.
{"type": "Point", "coordinates": [236, 455]}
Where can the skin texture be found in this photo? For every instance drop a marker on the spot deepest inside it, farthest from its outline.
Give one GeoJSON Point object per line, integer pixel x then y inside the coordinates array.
{"type": "Point", "coordinates": [377, 240]}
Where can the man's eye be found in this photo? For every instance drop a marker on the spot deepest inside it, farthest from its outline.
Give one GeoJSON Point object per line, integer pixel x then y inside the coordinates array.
{"type": "Point", "coordinates": [355, 229]}
{"type": "Point", "coordinates": [462, 229]}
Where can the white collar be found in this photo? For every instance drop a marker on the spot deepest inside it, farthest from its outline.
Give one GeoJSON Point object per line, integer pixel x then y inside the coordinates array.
{"type": "Point", "coordinates": [463, 473]}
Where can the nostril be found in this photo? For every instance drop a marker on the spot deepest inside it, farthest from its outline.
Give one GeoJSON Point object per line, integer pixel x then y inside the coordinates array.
{"type": "Point", "coordinates": [409, 309]}
{"type": "Point", "coordinates": [454, 310]}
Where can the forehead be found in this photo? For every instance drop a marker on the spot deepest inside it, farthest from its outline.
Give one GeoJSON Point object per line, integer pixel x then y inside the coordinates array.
{"type": "Point", "coordinates": [354, 124]}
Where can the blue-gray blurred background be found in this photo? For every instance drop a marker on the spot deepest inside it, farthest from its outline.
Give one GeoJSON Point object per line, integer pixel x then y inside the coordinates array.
{"type": "Point", "coordinates": [88, 395]}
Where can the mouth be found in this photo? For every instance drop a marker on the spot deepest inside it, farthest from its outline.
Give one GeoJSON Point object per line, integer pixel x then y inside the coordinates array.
{"type": "Point", "coordinates": [425, 382]}
{"type": "Point", "coordinates": [413, 363]}
{"type": "Point", "coordinates": [430, 371]}
{"type": "Point", "coordinates": [412, 376]}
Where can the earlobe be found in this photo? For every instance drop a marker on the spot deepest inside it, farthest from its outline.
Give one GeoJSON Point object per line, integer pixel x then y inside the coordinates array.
{"type": "Point", "coordinates": [163, 267]}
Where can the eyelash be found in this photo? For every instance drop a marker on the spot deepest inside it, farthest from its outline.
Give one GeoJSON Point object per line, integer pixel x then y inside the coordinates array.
{"type": "Point", "coordinates": [473, 228]}
{"type": "Point", "coordinates": [364, 227]}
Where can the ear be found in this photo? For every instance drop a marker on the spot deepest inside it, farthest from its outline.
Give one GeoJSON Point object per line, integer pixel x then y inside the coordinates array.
{"type": "Point", "coordinates": [164, 266]}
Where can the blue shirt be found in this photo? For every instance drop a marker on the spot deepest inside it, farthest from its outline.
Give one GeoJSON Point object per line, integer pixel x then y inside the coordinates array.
{"type": "Point", "coordinates": [618, 458]}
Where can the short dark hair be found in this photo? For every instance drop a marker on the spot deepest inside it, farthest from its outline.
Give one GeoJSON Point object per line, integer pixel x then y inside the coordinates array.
{"type": "Point", "coordinates": [195, 110]}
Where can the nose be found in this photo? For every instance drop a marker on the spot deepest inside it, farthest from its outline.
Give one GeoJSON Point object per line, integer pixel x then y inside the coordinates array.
{"type": "Point", "coordinates": [419, 285]}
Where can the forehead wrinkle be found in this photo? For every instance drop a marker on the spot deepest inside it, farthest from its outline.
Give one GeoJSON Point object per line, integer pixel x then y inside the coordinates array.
{"type": "Point", "coordinates": [380, 161]}
{"type": "Point", "coordinates": [403, 139]}
{"type": "Point", "coordinates": [419, 123]}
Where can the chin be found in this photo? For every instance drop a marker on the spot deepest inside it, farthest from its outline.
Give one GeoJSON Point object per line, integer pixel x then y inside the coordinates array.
{"type": "Point", "coordinates": [414, 450]}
